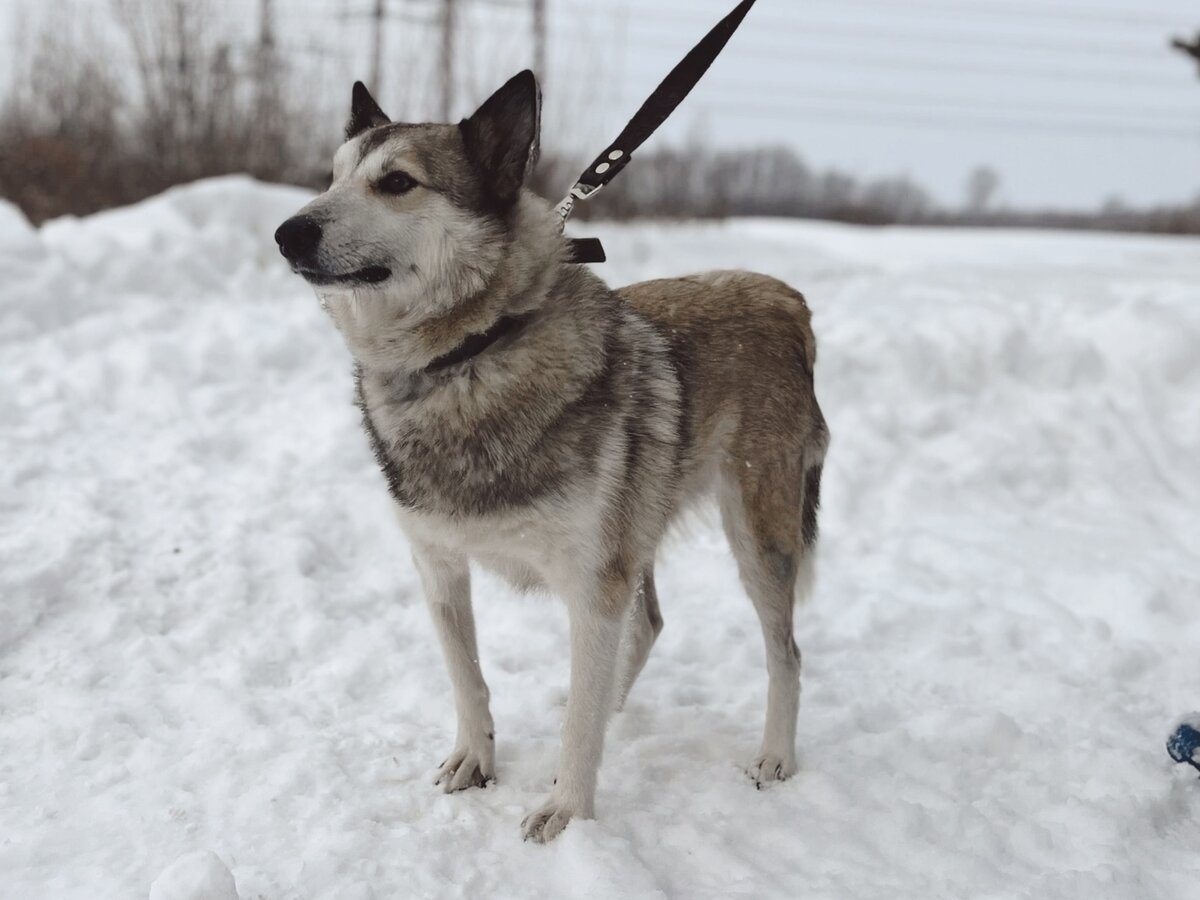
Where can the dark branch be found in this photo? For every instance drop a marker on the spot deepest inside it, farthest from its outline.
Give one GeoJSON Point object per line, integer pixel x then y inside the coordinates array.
{"type": "Point", "coordinates": [1192, 49]}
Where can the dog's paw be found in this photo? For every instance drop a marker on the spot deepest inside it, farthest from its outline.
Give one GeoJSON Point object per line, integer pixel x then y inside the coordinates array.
{"type": "Point", "coordinates": [464, 769]}
{"type": "Point", "coordinates": [769, 768]}
{"type": "Point", "coordinates": [547, 822]}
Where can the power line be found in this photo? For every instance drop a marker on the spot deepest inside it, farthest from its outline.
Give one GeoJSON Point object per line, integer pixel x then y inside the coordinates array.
{"type": "Point", "coordinates": [1170, 114]}
{"type": "Point", "coordinates": [846, 57]}
{"type": "Point", "coordinates": [892, 116]}
{"type": "Point", "coordinates": [975, 10]}
{"type": "Point", "coordinates": [1078, 15]}
{"type": "Point", "coordinates": [904, 36]}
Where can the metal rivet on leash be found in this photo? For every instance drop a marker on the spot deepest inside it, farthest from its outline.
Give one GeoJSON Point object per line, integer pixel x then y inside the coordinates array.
{"type": "Point", "coordinates": [658, 106]}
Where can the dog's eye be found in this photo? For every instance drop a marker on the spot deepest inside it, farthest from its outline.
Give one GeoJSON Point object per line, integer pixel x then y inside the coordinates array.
{"type": "Point", "coordinates": [396, 183]}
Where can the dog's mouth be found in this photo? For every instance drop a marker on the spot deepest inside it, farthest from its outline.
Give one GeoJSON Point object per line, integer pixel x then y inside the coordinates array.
{"type": "Point", "coordinates": [321, 278]}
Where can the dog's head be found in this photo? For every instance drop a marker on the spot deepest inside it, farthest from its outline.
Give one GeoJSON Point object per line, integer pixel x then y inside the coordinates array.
{"type": "Point", "coordinates": [417, 213]}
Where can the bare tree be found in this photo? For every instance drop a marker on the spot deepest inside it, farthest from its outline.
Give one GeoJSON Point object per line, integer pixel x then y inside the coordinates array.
{"type": "Point", "coordinates": [982, 184]}
{"type": "Point", "coordinates": [79, 132]}
{"type": "Point", "coordinates": [60, 130]}
{"type": "Point", "coordinates": [897, 199]}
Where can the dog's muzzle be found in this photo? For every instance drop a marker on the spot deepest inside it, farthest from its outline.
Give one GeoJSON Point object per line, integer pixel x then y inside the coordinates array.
{"type": "Point", "coordinates": [298, 238]}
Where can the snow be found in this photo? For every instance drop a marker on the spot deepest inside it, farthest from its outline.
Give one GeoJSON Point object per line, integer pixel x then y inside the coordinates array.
{"type": "Point", "coordinates": [195, 876]}
{"type": "Point", "coordinates": [14, 227]}
{"type": "Point", "coordinates": [215, 658]}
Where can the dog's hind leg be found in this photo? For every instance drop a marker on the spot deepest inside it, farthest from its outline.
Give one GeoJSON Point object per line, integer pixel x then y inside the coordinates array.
{"type": "Point", "coordinates": [761, 512]}
{"type": "Point", "coordinates": [642, 627]}
{"type": "Point", "coordinates": [447, 581]}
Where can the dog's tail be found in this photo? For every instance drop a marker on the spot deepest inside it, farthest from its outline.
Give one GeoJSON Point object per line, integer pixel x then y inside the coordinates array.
{"type": "Point", "coordinates": [814, 446]}
{"type": "Point", "coordinates": [810, 505]}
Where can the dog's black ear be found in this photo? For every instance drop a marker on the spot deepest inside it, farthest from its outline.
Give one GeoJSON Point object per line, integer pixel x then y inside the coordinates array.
{"type": "Point", "coordinates": [364, 112]}
{"type": "Point", "coordinates": [502, 137]}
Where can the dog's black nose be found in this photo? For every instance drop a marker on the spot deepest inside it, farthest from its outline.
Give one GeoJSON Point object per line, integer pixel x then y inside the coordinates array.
{"type": "Point", "coordinates": [298, 237]}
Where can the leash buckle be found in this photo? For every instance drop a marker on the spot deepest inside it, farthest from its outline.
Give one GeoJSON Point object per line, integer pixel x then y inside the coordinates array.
{"type": "Point", "coordinates": [580, 191]}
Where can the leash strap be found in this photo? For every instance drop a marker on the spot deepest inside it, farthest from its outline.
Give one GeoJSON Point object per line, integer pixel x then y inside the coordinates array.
{"type": "Point", "coordinates": [658, 106]}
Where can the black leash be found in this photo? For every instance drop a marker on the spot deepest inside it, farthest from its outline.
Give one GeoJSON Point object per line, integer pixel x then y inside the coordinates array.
{"type": "Point", "coordinates": [658, 106]}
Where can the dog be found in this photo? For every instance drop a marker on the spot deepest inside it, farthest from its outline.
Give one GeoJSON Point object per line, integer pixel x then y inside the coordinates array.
{"type": "Point", "coordinates": [530, 419]}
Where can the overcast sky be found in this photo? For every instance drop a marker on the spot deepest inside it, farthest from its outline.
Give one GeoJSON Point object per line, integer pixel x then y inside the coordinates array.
{"type": "Point", "coordinates": [1071, 101]}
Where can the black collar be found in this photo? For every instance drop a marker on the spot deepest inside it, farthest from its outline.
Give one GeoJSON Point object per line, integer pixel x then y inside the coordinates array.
{"type": "Point", "coordinates": [474, 344]}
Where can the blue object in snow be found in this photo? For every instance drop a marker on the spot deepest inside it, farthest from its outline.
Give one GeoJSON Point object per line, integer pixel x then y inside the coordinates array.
{"type": "Point", "coordinates": [1184, 742]}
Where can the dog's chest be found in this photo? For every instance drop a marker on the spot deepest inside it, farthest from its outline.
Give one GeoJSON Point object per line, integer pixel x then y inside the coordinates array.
{"type": "Point", "coordinates": [532, 548]}
{"type": "Point", "coordinates": [438, 459]}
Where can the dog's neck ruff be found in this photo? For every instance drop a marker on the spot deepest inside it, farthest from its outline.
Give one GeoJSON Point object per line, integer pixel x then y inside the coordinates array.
{"type": "Point", "coordinates": [477, 343]}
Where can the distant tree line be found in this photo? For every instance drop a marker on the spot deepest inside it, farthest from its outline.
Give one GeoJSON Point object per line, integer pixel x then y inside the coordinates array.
{"type": "Point", "coordinates": [695, 182]}
{"type": "Point", "coordinates": [79, 134]}
{"type": "Point", "coordinates": [698, 182]}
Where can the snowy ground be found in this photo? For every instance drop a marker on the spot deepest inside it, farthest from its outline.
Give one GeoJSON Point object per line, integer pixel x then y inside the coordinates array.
{"type": "Point", "coordinates": [212, 639]}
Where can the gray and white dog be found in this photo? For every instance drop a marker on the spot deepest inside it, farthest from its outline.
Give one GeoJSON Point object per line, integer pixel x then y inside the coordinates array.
{"type": "Point", "coordinates": [531, 419]}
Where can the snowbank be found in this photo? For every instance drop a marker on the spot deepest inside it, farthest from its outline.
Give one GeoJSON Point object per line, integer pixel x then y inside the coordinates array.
{"type": "Point", "coordinates": [211, 635]}
{"type": "Point", "coordinates": [14, 227]}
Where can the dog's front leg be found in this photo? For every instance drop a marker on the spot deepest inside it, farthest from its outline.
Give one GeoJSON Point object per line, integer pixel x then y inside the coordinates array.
{"type": "Point", "coordinates": [447, 581]}
{"type": "Point", "coordinates": [597, 612]}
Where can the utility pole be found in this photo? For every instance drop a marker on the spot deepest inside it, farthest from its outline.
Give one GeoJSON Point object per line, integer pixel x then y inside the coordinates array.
{"type": "Point", "coordinates": [265, 60]}
{"type": "Point", "coordinates": [378, 17]}
{"type": "Point", "coordinates": [449, 22]}
{"type": "Point", "coordinates": [539, 39]}
{"type": "Point", "coordinates": [266, 137]}
{"type": "Point", "coordinates": [1191, 49]}
{"type": "Point", "coordinates": [266, 27]}
{"type": "Point", "coordinates": [381, 13]}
